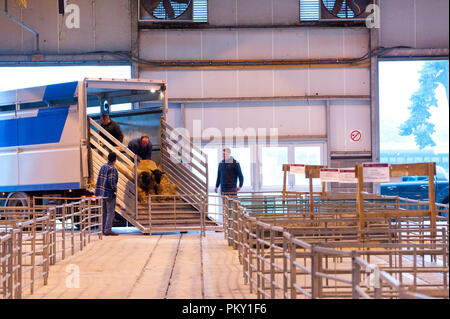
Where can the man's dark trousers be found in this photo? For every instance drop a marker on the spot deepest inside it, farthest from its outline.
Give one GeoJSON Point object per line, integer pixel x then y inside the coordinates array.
{"type": "Point", "coordinates": [109, 208]}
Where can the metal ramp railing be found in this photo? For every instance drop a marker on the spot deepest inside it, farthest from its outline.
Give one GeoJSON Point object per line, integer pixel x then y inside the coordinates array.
{"type": "Point", "coordinates": [127, 187]}
{"type": "Point", "coordinates": [186, 166]}
{"type": "Point", "coordinates": [184, 163]}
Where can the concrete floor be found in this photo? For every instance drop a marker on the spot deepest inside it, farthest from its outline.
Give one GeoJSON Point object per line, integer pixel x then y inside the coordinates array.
{"type": "Point", "coordinates": [136, 266]}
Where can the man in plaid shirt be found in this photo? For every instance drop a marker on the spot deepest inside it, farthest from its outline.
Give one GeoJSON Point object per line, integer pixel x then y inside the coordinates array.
{"type": "Point", "coordinates": [107, 187]}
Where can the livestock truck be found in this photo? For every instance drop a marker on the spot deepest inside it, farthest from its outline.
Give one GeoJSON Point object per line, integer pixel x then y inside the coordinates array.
{"type": "Point", "coordinates": [50, 147]}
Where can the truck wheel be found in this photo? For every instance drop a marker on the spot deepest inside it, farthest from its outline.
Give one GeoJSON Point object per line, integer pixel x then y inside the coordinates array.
{"type": "Point", "coordinates": [18, 199]}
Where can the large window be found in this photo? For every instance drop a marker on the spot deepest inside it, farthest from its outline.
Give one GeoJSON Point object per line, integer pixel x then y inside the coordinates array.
{"type": "Point", "coordinates": [311, 155]}
{"type": "Point", "coordinates": [22, 77]}
{"type": "Point", "coordinates": [213, 162]}
{"type": "Point", "coordinates": [241, 154]}
{"type": "Point", "coordinates": [414, 112]}
{"type": "Point", "coordinates": [262, 166]}
{"type": "Point", "coordinates": [273, 159]}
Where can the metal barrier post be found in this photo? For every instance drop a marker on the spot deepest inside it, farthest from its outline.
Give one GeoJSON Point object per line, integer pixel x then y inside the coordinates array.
{"type": "Point", "coordinates": [258, 262]}
{"type": "Point", "coordinates": [245, 243]}
{"type": "Point", "coordinates": [9, 251]}
{"type": "Point", "coordinates": [46, 239]}
{"type": "Point", "coordinates": [202, 216]}
{"type": "Point", "coordinates": [72, 229]}
{"type": "Point", "coordinates": [226, 216]}
{"type": "Point", "coordinates": [33, 253]}
{"type": "Point", "coordinates": [285, 269]}
{"type": "Point", "coordinates": [81, 222]}
{"type": "Point", "coordinates": [356, 271]}
{"type": "Point", "coordinates": [54, 246]}
{"type": "Point", "coordinates": [292, 258]}
{"type": "Point", "coordinates": [314, 270]}
{"type": "Point", "coordinates": [19, 263]}
{"type": "Point", "coordinates": [272, 262]}
{"type": "Point", "coordinates": [63, 224]}
{"type": "Point", "coordinates": [89, 222]}
{"type": "Point", "coordinates": [240, 233]}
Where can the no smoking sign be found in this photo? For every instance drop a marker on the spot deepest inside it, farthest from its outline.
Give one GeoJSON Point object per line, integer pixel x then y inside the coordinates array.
{"type": "Point", "coordinates": [355, 135]}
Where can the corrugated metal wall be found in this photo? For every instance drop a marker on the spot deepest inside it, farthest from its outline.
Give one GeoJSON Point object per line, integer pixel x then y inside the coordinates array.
{"type": "Point", "coordinates": [241, 30]}
{"type": "Point", "coordinates": [294, 117]}
{"type": "Point", "coordinates": [104, 25]}
{"type": "Point", "coordinates": [414, 23]}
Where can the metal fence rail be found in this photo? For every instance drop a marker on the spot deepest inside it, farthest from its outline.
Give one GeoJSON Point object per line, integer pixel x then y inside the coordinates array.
{"type": "Point", "coordinates": [33, 238]}
{"type": "Point", "coordinates": [184, 163]}
{"type": "Point", "coordinates": [289, 252]}
{"type": "Point", "coordinates": [10, 263]}
{"type": "Point", "coordinates": [183, 212]}
{"type": "Point", "coordinates": [126, 163]}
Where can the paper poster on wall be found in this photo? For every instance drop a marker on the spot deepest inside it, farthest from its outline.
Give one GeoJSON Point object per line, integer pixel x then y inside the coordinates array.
{"type": "Point", "coordinates": [376, 172]}
{"type": "Point", "coordinates": [329, 175]}
{"type": "Point", "coordinates": [347, 175]}
{"type": "Point", "coordinates": [297, 169]}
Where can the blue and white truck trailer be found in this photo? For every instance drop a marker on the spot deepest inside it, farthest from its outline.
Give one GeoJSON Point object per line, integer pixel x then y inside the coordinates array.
{"type": "Point", "coordinates": [49, 145]}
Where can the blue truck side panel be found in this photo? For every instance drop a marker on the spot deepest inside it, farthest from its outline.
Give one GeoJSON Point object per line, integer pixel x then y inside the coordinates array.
{"type": "Point", "coordinates": [45, 128]}
{"type": "Point", "coordinates": [60, 91]}
{"type": "Point", "coordinates": [40, 187]}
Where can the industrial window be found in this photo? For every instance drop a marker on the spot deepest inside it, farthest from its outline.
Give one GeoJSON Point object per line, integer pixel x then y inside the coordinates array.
{"type": "Point", "coordinates": [241, 154]}
{"type": "Point", "coordinates": [273, 159]}
{"type": "Point", "coordinates": [262, 165]}
{"type": "Point", "coordinates": [414, 116]}
{"type": "Point", "coordinates": [23, 77]}
{"type": "Point", "coordinates": [213, 162]}
{"type": "Point", "coordinates": [311, 155]}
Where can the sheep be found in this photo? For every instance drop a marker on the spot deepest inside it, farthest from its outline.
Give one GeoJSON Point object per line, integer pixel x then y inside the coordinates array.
{"type": "Point", "coordinates": [149, 182]}
{"type": "Point", "coordinates": [157, 175]}
{"type": "Point", "coordinates": [153, 181]}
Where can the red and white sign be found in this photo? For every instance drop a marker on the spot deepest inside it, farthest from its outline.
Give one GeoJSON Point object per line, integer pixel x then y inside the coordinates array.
{"type": "Point", "coordinates": [355, 135]}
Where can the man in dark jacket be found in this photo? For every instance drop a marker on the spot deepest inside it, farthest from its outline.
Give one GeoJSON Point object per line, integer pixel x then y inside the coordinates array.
{"type": "Point", "coordinates": [112, 128]}
{"type": "Point", "coordinates": [228, 173]}
{"type": "Point", "coordinates": [142, 147]}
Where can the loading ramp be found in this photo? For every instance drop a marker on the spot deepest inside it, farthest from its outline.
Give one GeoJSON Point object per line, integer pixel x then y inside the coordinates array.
{"type": "Point", "coordinates": [185, 166]}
